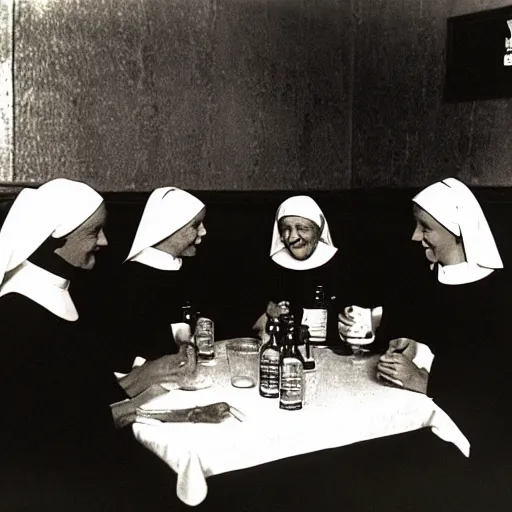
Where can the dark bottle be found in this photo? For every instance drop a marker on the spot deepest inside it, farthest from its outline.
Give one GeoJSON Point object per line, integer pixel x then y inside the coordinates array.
{"type": "Point", "coordinates": [269, 362]}
{"type": "Point", "coordinates": [315, 317]}
{"type": "Point", "coordinates": [188, 316]}
{"type": "Point", "coordinates": [291, 382]}
{"type": "Point", "coordinates": [309, 360]}
{"type": "Point", "coordinates": [294, 330]}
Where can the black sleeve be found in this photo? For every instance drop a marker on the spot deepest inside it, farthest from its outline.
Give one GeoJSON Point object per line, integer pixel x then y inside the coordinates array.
{"type": "Point", "coordinates": [55, 388]}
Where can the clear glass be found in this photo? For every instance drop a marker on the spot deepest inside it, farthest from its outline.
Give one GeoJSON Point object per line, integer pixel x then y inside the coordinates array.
{"type": "Point", "coordinates": [204, 337]}
{"type": "Point", "coordinates": [243, 361]}
{"type": "Point", "coordinates": [361, 333]}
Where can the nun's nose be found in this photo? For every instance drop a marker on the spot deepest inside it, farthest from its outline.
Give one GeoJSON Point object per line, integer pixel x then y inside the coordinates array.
{"type": "Point", "coordinates": [102, 239]}
{"type": "Point", "coordinates": [417, 235]}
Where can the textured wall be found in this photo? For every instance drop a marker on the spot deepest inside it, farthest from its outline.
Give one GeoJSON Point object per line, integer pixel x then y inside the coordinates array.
{"type": "Point", "coordinates": [203, 94]}
{"type": "Point", "coordinates": [403, 133]}
{"type": "Point", "coordinates": [248, 94]}
{"type": "Point", "coordinates": [6, 90]}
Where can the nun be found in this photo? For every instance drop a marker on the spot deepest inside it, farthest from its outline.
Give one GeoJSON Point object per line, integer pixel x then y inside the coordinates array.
{"type": "Point", "coordinates": [60, 448]}
{"type": "Point", "coordinates": [303, 256]}
{"type": "Point", "coordinates": [151, 286]}
{"type": "Point", "coordinates": [446, 335]}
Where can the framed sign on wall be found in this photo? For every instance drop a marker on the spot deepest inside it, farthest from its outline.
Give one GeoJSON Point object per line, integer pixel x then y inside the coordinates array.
{"type": "Point", "coordinates": [479, 56]}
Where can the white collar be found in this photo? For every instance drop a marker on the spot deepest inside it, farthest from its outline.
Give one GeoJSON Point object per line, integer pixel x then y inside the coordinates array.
{"type": "Point", "coordinates": [43, 287]}
{"type": "Point", "coordinates": [323, 253]}
{"type": "Point", "coordinates": [155, 258]}
{"type": "Point", "coordinates": [461, 273]}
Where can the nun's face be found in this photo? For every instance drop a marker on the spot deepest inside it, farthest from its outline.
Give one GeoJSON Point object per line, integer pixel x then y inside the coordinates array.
{"type": "Point", "coordinates": [441, 246]}
{"type": "Point", "coordinates": [82, 244]}
{"type": "Point", "coordinates": [299, 235]}
{"type": "Point", "coordinates": [183, 242]}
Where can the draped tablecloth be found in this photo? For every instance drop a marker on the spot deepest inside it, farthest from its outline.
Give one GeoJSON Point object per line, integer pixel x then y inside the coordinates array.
{"type": "Point", "coordinates": [344, 404]}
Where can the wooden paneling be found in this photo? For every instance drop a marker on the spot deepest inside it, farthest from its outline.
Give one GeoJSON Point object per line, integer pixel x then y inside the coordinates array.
{"type": "Point", "coordinates": [403, 133]}
{"type": "Point", "coordinates": [202, 94]}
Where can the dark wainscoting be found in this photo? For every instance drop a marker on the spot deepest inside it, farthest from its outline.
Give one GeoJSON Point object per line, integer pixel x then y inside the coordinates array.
{"type": "Point", "coordinates": [373, 226]}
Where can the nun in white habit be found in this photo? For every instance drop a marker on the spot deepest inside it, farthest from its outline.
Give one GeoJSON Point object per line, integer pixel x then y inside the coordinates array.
{"type": "Point", "coordinates": [451, 333]}
{"type": "Point", "coordinates": [149, 291]}
{"type": "Point", "coordinates": [446, 335]}
{"type": "Point", "coordinates": [303, 256]}
{"type": "Point", "coordinates": [59, 445]}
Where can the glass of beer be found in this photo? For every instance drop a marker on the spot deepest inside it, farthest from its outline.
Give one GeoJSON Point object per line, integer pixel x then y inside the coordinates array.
{"type": "Point", "coordinates": [204, 337]}
{"type": "Point", "coordinates": [361, 332]}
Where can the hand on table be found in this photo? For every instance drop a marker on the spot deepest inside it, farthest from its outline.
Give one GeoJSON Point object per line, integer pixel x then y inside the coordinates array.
{"type": "Point", "coordinates": [168, 368]}
{"type": "Point", "coordinates": [399, 366]}
{"type": "Point", "coordinates": [124, 413]}
{"type": "Point", "coordinates": [182, 333]}
{"type": "Point", "coordinates": [404, 346]}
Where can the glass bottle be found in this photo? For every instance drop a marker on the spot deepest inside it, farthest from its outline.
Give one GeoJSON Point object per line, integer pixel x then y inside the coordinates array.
{"type": "Point", "coordinates": [309, 360]}
{"type": "Point", "coordinates": [188, 316]}
{"type": "Point", "coordinates": [291, 383]}
{"type": "Point", "coordinates": [316, 317]}
{"type": "Point", "coordinates": [294, 349]}
{"type": "Point", "coordinates": [269, 362]}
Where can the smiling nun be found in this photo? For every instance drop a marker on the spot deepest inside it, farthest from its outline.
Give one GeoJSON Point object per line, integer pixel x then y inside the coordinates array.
{"type": "Point", "coordinates": [151, 287]}
{"type": "Point", "coordinates": [60, 449]}
{"type": "Point", "coordinates": [303, 256]}
{"type": "Point", "coordinates": [450, 340]}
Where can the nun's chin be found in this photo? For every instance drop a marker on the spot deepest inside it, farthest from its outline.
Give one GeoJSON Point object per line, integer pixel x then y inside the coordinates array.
{"type": "Point", "coordinates": [90, 263]}
{"type": "Point", "coordinates": [301, 254]}
{"type": "Point", "coordinates": [430, 255]}
{"type": "Point", "coordinates": [190, 251]}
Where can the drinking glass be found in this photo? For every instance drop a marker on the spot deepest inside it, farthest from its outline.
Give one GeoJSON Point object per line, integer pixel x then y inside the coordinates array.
{"type": "Point", "coordinates": [360, 333]}
{"type": "Point", "coordinates": [243, 361]}
{"type": "Point", "coordinates": [204, 337]}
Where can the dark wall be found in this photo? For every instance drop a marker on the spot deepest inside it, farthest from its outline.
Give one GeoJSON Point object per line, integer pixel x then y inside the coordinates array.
{"type": "Point", "coordinates": [228, 94]}
{"type": "Point", "coordinates": [371, 228]}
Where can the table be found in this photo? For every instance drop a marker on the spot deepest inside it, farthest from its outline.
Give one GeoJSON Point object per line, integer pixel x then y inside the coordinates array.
{"type": "Point", "coordinates": [344, 404]}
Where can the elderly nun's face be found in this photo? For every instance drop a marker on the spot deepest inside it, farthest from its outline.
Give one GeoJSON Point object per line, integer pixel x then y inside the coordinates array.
{"type": "Point", "coordinates": [183, 242]}
{"type": "Point", "coordinates": [299, 235]}
{"type": "Point", "coordinates": [441, 246]}
{"type": "Point", "coordinates": [82, 244]}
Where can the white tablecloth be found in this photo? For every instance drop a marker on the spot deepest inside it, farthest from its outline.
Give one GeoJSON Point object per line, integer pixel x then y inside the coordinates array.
{"type": "Point", "coordinates": [344, 404]}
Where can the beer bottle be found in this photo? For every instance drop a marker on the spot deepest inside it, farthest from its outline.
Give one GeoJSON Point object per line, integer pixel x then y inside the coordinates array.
{"type": "Point", "coordinates": [309, 360]}
{"type": "Point", "coordinates": [291, 385]}
{"type": "Point", "coordinates": [188, 316]}
{"type": "Point", "coordinates": [316, 318]}
{"type": "Point", "coordinates": [269, 362]}
{"type": "Point", "coordinates": [294, 349]}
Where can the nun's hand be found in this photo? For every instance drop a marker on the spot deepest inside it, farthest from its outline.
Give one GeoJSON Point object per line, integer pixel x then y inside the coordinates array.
{"type": "Point", "coordinates": [345, 322]}
{"type": "Point", "coordinates": [399, 367]}
{"type": "Point", "coordinates": [169, 368]}
{"type": "Point", "coordinates": [182, 333]}
{"type": "Point", "coordinates": [124, 412]}
{"type": "Point", "coordinates": [349, 317]}
{"type": "Point", "coordinates": [274, 310]}
{"type": "Point", "coordinates": [404, 346]}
